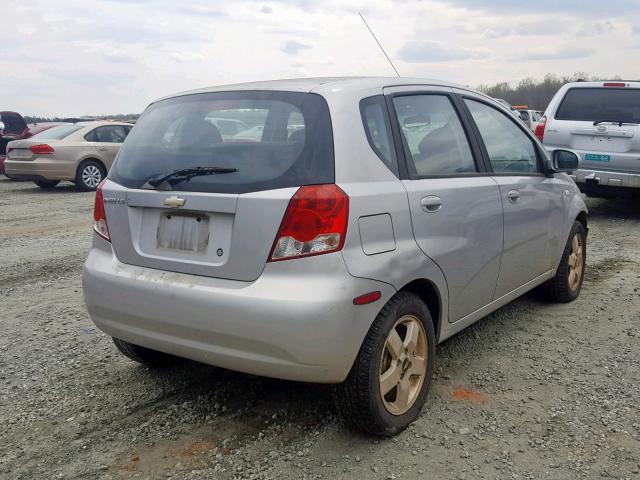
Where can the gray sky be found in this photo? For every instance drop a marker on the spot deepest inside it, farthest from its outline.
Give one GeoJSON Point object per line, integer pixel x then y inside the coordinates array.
{"type": "Point", "coordinates": [61, 57]}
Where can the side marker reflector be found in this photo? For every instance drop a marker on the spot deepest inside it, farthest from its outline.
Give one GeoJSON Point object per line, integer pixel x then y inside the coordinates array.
{"type": "Point", "coordinates": [367, 298]}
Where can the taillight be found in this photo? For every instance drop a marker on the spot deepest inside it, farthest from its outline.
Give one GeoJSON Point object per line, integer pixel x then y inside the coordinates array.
{"type": "Point", "coordinates": [99, 215]}
{"type": "Point", "coordinates": [42, 149]}
{"type": "Point", "coordinates": [315, 223]}
{"type": "Point", "coordinates": [539, 132]}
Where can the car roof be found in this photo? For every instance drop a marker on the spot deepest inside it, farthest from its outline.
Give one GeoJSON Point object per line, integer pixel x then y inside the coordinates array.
{"type": "Point", "coordinates": [599, 84]}
{"type": "Point", "coordinates": [323, 85]}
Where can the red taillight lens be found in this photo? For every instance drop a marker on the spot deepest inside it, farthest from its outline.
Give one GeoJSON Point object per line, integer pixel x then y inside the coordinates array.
{"type": "Point", "coordinates": [539, 132]}
{"type": "Point", "coordinates": [315, 223]}
{"type": "Point", "coordinates": [614, 84]}
{"type": "Point", "coordinates": [42, 149]}
{"type": "Point", "coordinates": [99, 215]}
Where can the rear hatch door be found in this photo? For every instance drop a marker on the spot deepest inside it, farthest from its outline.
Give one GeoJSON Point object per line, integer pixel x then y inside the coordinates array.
{"type": "Point", "coordinates": [604, 124]}
{"type": "Point", "coordinates": [221, 223]}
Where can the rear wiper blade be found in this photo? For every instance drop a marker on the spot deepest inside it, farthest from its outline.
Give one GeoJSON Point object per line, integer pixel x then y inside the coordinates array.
{"type": "Point", "coordinates": [183, 174]}
{"type": "Point", "coordinates": [619, 122]}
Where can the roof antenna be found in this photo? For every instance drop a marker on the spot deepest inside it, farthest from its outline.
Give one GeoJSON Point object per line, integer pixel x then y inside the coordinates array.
{"type": "Point", "coordinates": [374, 37]}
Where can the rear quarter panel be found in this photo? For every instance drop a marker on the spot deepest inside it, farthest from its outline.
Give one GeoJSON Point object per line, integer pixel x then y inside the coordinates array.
{"type": "Point", "coordinates": [374, 190]}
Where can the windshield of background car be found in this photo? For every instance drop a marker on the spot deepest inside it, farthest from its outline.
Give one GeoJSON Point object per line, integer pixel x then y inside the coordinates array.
{"type": "Point", "coordinates": [273, 139]}
{"type": "Point", "coordinates": [606, 103]}
{"type": "Point", "coordinates": [57, 133]}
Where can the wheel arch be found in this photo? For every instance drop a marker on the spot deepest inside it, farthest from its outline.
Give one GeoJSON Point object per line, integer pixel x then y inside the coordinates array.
{"type": "Point", "coordinates": [90, 158]}
{"type": "Point", "coordinates": [430, 295]}
{"type": "Point", "coordinates": [582, 218]}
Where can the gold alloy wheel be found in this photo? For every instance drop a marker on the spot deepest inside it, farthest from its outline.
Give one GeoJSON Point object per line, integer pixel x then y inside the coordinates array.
{"type": "Point", "coordinates": [576, 262]}
{"type": "Point", "coordinates": [403, 365]}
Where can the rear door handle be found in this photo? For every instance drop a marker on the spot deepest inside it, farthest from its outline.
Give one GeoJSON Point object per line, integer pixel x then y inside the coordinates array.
{"type": "Point", "coordinates": [431, 203]}
{"type": "Point", "coordinates": [513, 195]}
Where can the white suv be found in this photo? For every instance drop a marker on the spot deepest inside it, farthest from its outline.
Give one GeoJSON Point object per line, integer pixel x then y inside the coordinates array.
{"type": "Point", "coordinates": [600, 121]}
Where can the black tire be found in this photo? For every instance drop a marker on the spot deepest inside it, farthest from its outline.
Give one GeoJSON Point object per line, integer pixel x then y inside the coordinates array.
{"type": "Point", "coordinates": [89, 174]}
{"type": "Point", "coordinates": [558, 289]}
{"type": "Point", "coordinates": [143, 355]}
{"type": "Point", "coordinates": [359, 399]}
{"type": "Point", "coordinates": [47, 184]}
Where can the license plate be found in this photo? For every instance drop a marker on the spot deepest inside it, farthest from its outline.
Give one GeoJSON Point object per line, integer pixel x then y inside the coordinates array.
{"type": "Point", "coordinates": [20, 153]}
{"type": "Point", "coordinates": [183, 231]}
{"type": "Point", "coordinates": [597, 157]}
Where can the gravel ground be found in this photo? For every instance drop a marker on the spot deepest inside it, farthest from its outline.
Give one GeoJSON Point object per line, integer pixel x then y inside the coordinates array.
{"type": "Point", "coordinates": [535, 390]}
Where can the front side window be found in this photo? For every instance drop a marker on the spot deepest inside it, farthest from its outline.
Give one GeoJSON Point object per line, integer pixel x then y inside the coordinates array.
{"type": "Point", "coordinates": [510, 150]}
{"type": "Point", "coordinates": [378, 130]}
{"type": "Point", "coordinates": [266, 139]}
{"type": "Point", "coordinates": [434, 136]}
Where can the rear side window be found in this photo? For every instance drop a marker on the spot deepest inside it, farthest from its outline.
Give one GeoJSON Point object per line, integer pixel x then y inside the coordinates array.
{"type": "Point", "coordinates": [58, 133]}
{"type": "Point", "coordinates": [273, 140]}
{"type": "Point", "coordinates": [524, 115]}
{"type": "Point", "coordinates": [378, 130]}
{"type": "Point", "coordinates": [606, 103]}
{"type": "Point", "coordinates": [433, 135]}
{"type": "Point", "coordinates": [108, 134]}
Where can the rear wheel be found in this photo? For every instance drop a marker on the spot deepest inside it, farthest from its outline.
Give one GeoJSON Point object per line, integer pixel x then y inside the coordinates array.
{"type": "Point", "coordinates": [390, 379]}
{"type": "Point", "coordinates": [89, 175]}
{"type": "Point", "coordinates": [47, 184]}
{"type": "Point", "coordinates": [566, 285]}
{"type": "Point", "coordinates": [146, 356]}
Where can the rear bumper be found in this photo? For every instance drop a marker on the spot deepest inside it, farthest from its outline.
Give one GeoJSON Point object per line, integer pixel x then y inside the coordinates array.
{"type": "Point", "coordinates": [297, 321]}
{"type": "Point", "coordinates": [603, 181]}
{"type": "Point", "coordinates": [40, 168]}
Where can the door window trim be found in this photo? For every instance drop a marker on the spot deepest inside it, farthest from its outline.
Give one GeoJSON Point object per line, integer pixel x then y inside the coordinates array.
{"type": "Point", "coordinates": [402, 148]}
{"type": "Point", "coordinates": [483, 148]}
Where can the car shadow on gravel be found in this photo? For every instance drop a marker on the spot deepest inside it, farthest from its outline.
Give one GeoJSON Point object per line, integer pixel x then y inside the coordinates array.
{"type": "Point", "coordinates": [618, 208]}
{"type": "Point", "coordinates": [59, 189]}
{"type": "Point", "coordinates": [252, 402]}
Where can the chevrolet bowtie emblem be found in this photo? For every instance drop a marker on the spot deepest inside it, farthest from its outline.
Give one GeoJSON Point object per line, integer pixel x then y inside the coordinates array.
{"type": "Point", "coordinates": [174, 202]}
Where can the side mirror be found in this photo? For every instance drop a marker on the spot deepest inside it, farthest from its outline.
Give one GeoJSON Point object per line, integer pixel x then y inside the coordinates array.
{"type": "Point", "coordinates": [564, 161]}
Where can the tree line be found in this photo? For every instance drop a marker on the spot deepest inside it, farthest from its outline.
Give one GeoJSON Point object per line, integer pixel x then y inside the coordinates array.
{"type": "Point", "coordinates": [534, 92]}
{"type": "Point", "coordinates": [121, 117]}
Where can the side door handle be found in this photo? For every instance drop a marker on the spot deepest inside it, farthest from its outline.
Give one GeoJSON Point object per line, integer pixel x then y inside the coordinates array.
{"type": "Point", "coordinates": [431, 203]}
{"type": "Point", "coordinates": [513, 195]}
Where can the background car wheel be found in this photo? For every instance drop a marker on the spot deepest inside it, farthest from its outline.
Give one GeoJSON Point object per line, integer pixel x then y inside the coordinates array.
{"type": "Point", "coordinates": [47, 184]}
{"type": "Point", "coordinates": [389, 381]}
{"type": "Point", "coordinates": [89, 175]}
{"type": "Point", "coordinates": [566, 285]}
{"type": "Point", "coordinates": [143, 355]}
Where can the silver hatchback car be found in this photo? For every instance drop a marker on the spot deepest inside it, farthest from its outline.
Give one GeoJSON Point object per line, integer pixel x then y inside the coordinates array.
{"type": "Point", "coordinates": [354, 225]}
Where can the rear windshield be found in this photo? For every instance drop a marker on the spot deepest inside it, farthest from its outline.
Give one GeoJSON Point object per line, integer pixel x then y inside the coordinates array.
{"type": "Point", "coordinates": [57, 133]}
{"type": "Point", "coordinates": [524, 114]}
{"type": "Point", "coordinates": [606, 103]}
{"type": "Point", "coordinates": [272, 139]}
